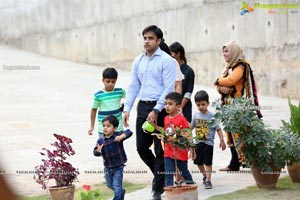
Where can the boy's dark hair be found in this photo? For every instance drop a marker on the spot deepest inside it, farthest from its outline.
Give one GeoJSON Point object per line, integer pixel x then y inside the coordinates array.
{"type": "Point", "coordinates": [176, 47]}
{"type": "Point", "coordinates": [201, 96]}
{"type": "Point", "coordinates": [110, 73]}
{"type": "Point", "coordinates": [112, 120]}
{"type": "Point", "coordinates": [174, 96]}
{"type": "Point", "coordinates": [157, 31]}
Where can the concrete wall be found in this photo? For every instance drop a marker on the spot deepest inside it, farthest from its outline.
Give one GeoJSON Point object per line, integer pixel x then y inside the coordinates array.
{"type": "Point", "coordinates": [105, 32]}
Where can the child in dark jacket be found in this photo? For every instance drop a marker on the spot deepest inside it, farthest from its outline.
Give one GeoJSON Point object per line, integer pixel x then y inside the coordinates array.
{"type": "Point", "coordinates": [111, 148]}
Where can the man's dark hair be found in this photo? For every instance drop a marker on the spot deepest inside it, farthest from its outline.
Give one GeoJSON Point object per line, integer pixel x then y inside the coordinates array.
{"type": "Point", "coordinates": [157, 31]}
{"type": "Point", "coordinates": [201, 96]}
{"type": "Point", "coordinates": [112, 120]}
{"type": "Point", "coordinates": [110, 73]}
{"type": "Point", "coordinates": [174, 96]}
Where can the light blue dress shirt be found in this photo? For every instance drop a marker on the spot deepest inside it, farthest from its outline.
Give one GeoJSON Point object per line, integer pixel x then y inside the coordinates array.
{"type": "Point", "coordinates": [151, 79]}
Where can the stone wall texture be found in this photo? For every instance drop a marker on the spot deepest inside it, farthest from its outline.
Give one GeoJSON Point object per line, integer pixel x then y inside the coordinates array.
{"type": "Point", "coordinates": [108, 33]}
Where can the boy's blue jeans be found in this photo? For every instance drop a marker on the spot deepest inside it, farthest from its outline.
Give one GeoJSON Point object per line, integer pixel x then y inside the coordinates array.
{"type": "Point", "coordinates": [170, 171]}
{"type": "Point", "coordinates": [114, 180]}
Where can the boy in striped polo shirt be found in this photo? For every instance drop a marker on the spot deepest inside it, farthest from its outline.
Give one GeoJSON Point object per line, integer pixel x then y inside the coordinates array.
{"type": "Point", "coordinates": [107, 101]}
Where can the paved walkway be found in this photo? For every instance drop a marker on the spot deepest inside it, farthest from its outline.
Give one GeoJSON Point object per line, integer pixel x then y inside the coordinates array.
{"type": "Point", "coordinates": [56, 98]}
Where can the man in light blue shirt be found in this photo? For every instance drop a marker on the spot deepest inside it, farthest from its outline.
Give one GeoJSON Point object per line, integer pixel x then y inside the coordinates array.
{"type": "Point", "coordinates": [153, 77]}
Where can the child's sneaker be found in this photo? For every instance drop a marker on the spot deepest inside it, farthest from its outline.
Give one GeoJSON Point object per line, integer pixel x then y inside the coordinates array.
{"type": "Point", "coordinates": [179, 182]}
{"type": "Point", "coordinates": [208, 185]}
{"type": "Point", "coordinates": [189, 182]}
{"type": "Point", "coordinates": [204, 179]}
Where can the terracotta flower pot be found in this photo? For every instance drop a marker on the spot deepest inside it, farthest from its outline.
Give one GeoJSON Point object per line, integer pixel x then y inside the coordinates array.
{"type": "Point", "coordinates": [294, 172]}
{"type": "Point", "coordinates": [184, 192]}
{"type": "Point", "coordinates": [62, 193]}
{"type": "Point", "coordinates": [266, 179]}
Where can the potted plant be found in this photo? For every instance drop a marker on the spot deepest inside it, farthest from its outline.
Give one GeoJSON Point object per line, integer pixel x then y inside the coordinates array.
{"type": "Point", "coordinates": [54, 166]}
{"type": "Point", "coordinates": [180, 138]}
{"type": "Point", "coordinates": [257, 143]}
{"type": "Point", "coordinates": [293, 163]}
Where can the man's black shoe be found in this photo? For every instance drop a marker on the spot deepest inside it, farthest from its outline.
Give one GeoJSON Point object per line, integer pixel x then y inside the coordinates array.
{"type": "Point", "coordinates": [155, 195]}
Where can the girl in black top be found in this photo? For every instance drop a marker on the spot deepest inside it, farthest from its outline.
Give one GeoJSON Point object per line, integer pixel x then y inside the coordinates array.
{"type": "Point", "coordinates": [177, 52]}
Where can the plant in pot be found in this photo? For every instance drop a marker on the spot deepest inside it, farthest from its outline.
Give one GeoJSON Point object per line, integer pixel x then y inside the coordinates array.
{"type": "Point", "coordinates": [54, 166]}
{"type": "Point", "coordinates": [293, 126]}
{"type": "Point", "coordinates": [179, 138]}
{"type": "Point", "coordinates": [253, 139]}
{"type": "Point", "coordinates": [289, 143]}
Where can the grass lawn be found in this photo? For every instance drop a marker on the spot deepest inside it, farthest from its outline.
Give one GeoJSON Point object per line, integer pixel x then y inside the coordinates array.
{"type": "Point", "coordinates": [285, 189]}
{"type": "Point", "coordinates": [105, 192]}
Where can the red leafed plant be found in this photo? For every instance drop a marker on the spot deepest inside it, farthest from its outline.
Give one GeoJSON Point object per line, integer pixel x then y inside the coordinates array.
{"type": "Point", "coordinates": [54, 164]}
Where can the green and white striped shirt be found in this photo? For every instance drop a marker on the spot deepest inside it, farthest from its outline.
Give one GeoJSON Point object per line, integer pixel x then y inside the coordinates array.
{"type": "Point", "coordinates": [109, 103]}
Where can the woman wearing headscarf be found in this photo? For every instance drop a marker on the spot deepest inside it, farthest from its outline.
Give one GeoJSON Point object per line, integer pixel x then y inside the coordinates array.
{"type": "Point", "coordinates": [236, 80]}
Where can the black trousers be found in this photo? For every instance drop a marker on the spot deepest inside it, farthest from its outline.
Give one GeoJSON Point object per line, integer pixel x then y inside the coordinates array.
{"type": "Point", "coordinates": [234, 162]}
{"type": "Point", "coordinates": [187, 111]}
{"type": "Point", "coordinates": [144, 142]}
